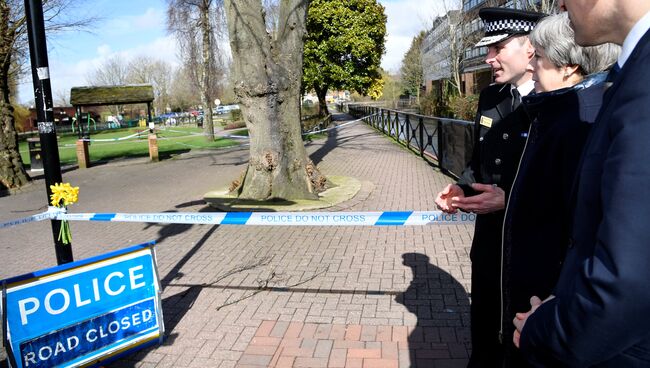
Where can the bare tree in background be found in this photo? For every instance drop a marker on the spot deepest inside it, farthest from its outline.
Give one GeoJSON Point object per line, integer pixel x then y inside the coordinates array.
{"type": "Point", "coordinates": [62, 97]}
{"type": "Point", "coordinates": [454, 21]}
{"type": "Point", "coordinates": [158, 73]}
{"type": "Point", "coordinates": [13, 63]}
{"type": "Point", "coordinates": [267, 74]}
{"type": "Point", "coordinates": [114, 71]}
{"type": "Point", "coordinates": [196, 25]}
{"type": "Point", "coordinates": [183, 94]}
{"type": "Point", "coordinates": [117, 71]}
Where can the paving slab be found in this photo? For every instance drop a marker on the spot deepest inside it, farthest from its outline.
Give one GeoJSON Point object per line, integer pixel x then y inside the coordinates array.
{"type": "Point", "coordinates": [238, 296]}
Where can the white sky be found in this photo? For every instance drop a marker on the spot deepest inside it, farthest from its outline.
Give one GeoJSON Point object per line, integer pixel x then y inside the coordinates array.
{"type": "Point", "coordinates": [406, 18]}
{"type": "Point", "coordinates": [131, 28]}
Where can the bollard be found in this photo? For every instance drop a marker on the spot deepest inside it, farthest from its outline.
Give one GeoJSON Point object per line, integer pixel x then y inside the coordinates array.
{"type": "Point", "coordinates": [153, 147]}
{"type": "Point", "coordinates": [83, 156]}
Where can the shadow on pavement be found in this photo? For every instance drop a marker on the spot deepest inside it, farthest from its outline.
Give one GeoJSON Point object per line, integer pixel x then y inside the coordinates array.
{"type": "Point", "coordinates": [333, 139]}
{"type": "Point", "coordinates": [441, 306]}
{"type": "Point", "coordinates": [169, 230]}
{"type": "Point", "coordinates": [326, 148]}
{"type": "Point", "coordinates": [175, 307]}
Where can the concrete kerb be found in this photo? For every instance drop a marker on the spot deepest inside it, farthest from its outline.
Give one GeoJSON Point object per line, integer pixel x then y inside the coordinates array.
{"type": "Point", "coordinates": [345, 189]}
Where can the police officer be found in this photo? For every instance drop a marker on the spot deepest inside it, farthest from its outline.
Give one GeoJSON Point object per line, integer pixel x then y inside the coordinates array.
{"type": "Point", "coordinates": [500, 132]}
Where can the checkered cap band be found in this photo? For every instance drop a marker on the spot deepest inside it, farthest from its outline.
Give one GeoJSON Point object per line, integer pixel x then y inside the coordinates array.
{"type": "Point", "coordinates": [509, 25]}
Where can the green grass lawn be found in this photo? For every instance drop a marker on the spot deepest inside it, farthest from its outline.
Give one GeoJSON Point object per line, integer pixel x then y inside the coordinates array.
{"type": "Point", "coordinates": [174, 140]}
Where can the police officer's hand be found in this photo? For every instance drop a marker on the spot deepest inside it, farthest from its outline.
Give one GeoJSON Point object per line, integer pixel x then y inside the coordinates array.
{"type": "Point", "coordinates": [491, 199]}
{"type": "Point", "coordinates": [443, 199]}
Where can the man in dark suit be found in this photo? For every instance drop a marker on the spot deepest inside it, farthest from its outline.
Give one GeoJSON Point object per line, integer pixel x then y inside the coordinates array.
{"type": "Point", "coordinates": [599, 315]}
{"type": "Point", "coordinates": [500, 135]}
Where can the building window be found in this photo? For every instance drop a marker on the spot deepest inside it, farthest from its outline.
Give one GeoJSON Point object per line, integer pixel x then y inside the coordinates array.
{"type": "Point", "coordinates": [475, 52]}
{"type": "Point", "coordinates": [470, 4]}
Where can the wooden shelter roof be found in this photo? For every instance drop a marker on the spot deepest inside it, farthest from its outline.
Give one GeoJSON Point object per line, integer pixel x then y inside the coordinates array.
{"type": "Point", "coordinates": [111, 95]}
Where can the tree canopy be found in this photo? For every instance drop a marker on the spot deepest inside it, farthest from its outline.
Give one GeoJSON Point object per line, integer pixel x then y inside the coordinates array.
{"type": "Point", "coordinates": [411, 69]}
{"type": "Point", "coordinates": [344, 46]}
{"type": "Point", "coordinates": [58, 16]}
{"type": "Point", "coordinates": [196, 25]}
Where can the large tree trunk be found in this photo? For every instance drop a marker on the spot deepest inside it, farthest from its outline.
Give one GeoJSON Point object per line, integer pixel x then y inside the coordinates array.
{"type": "Point", "coordinates": [321, 92]}
{"type": "Point", "coordinates": [206, 98]}
{"type": "Point", "coordinates": [12, 171]}
{"type": "Point", "coordinates": [267, 77]}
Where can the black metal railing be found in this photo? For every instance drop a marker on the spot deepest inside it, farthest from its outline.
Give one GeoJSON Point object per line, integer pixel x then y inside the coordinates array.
{"type": "Point", "coordinates": [446, 143]}
{"type": "Point", "coordinates": [315, 128]}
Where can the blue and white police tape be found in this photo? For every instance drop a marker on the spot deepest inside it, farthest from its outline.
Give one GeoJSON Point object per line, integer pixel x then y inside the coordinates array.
{"type": "Point", "coordinates": [410, 218]}
{"type": "Point", "coordinates": [34, 218]}
{"type": "Point", "coordinates": [135, 135]}
{"type": "Point", "coordinates": [234, 136]}
{"type": "Point", "coordinates": [339, 126]}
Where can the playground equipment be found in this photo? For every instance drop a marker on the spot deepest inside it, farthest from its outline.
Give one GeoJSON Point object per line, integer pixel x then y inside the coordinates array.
{"type": "Point", "coordinates": [81, 97]}
{"type": "Point", "coordinates": [85, 117]}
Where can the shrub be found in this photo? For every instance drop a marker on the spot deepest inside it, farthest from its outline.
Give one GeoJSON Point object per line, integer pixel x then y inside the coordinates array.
{"type": "Point", "coordinates": [236, 115]}
{"type": "Point", "coordinates": [235, 125]}
{"type": "Point", "coordinates": [432, 105]}
{"type": "Point", "coordinates": [464, 107]}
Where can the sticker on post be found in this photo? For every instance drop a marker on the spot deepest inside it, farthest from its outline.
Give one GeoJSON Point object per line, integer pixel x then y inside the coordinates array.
{"type": "Point", "coordinates": [46, 127]}
{"type": "Point", "coordinates": [43, 73]}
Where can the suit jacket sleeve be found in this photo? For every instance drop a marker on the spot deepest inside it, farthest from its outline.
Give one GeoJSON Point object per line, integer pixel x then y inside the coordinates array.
{"type": "Point", "coordinates": [606, 312]}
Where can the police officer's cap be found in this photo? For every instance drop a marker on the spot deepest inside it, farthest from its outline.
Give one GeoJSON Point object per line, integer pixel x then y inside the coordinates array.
{"type": "Point", "coordinates": [501, 23]}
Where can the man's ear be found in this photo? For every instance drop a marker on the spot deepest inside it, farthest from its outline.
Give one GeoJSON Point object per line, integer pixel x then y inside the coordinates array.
{"type": "Point", "coordinates": [530, 50]}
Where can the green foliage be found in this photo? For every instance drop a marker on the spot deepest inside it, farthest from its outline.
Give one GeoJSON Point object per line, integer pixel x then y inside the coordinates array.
{"type": "Point", "coordinates": [308, 109]}
{"type": "Point", "coordinates": [236, 115]}
{"type": "Point", "coordinates": [344, 45]}
{"type": "Point", "coordinates": [464, 107]}
{"type": "Point", "coordinates": [411, 70]}
{"type": "Point", "coordinates": [430, 105]}
{"type": "Point", "coordinates": [21, 114]}
{"type": "Point", "coordinates": [443, 101]}
{"type": "Point", "coordinates": [391, 89]}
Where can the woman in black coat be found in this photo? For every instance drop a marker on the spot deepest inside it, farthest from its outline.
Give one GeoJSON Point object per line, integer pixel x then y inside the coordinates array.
{"type": "Point", "coordinates": [537, 219]}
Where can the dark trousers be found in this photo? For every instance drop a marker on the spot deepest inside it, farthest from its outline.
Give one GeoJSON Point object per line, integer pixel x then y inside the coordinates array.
{"type": "Point", "coordinates": [485, 311]}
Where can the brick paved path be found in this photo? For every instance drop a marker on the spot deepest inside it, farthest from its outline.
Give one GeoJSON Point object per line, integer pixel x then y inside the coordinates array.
{"type": "Point", "coordinates": [334, 296]}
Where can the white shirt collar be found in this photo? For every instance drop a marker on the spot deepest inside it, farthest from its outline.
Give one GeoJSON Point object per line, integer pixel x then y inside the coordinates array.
{"type": "Point", "coordinates": [525, 88]}
{"type": "Point", "coordinates": [633, 38]}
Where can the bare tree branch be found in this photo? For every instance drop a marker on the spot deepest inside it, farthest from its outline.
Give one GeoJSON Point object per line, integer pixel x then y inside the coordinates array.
{"type": "Point", "coordinates": [264, 286]}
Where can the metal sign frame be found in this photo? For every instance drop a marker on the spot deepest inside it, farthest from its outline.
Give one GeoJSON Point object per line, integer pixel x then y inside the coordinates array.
{"type": "Point", "coordinates": [107, 324]}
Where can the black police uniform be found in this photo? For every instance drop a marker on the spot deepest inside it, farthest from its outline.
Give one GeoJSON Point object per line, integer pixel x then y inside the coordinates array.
{"type": "Point", "coordinates": [499, 138]}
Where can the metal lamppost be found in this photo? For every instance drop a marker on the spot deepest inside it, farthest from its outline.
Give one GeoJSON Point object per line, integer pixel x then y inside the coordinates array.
{"type": "Point", "coordinates": [44, 113]}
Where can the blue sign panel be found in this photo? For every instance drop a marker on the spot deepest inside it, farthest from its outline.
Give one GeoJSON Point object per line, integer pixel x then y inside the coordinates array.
{"type": "Point", "coordinates": [83, 312]}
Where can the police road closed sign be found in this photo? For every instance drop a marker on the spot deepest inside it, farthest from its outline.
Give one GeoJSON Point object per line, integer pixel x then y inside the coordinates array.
{"type": "Point", "coordinates": [84, 312]}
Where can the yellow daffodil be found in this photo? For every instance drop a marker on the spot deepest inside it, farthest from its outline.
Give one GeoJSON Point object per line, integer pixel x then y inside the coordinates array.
{"type": "Point", "coordinates": [63, 194]}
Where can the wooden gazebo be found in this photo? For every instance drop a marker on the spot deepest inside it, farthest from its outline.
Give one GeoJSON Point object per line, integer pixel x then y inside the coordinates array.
{"type": "Point", "coordinates": [112, 95]}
